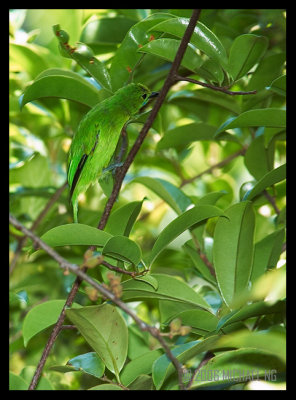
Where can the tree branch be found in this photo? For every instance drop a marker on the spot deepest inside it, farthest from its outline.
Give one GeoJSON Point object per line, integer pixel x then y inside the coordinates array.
{"type": "Point", "coordinates": [120, 175]}
{"type": "Point", "coordinates": [209, 86]}
{"type": "Point", "coordinates": [75, 269]}
{"type": "Point", "coordinates": [36, 223]}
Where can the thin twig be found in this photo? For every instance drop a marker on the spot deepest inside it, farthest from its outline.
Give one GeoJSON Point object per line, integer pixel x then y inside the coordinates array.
{"type": "Point", "coordinates": [220, 164]}
{"type": "Point", "coordinates": [36, 223]}
{"type": "Point", "coordinates": [66, 265]}
{"type": "Point", "coordinates": [116, 189]}
{"type": "Point", "coordinates": [133, 274]}
{"type": "Point", "coordinates": [217, 88]}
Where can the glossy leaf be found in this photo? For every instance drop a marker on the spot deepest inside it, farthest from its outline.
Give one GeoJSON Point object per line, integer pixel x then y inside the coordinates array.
{"type": "Point", "coordinates": [122, 248]}
{"type": "Point", "coordinates": [249, 311]}
{"type": "Point", "coordinates": [105, 330]}
{"type": "Point", "coordinates": [233, 249]}
{"type": "Point", "coordinates": [182, 136]}
{"type": "Point", "coordinates": [269, 179]}
{"type": "Point", "coordinates": [203, 38]}
{"type": "Point", "coordinates": [271, 117]}
{"type": "Point", "coordinates": [180, 224]}
{"type": "Point", "coordinates": [271, 342]}
{"type": "Point", "coordinates": [169, 288]}
{"type": "Point", "coordinates": [168, 192]}
{"type": "Point", "coordinates": [270, 68]}
{"type": "Point", "coordinates": [127, 55]}
{"type": "Point", "coordinates": [201, 321]}
{"type": "Point", "coordinates": [236, 367]}
{"type": "Point", "coordinates": [138, 366]}
{"type": "Point", "coordinates": [163, 367]}
{"type": "Point", "coordinates": [84, 56]}
{"type": "Point", "coordinates": [89, 363]}
{"type": "Point", "coordinates": [167, 48]}
{"type": "Point", "coordinates": [106, 386]}
{"type": "Point", "coordinates": [279, 85]}
{"type": "Point", "coordinates": [75, 234]}
{"type": "Point", "coordinates": [207, 96]}
{"type": "Point", "coordinates": [245, 52]}
{"type": "Point", "coordinates": [127, 216]}
{"type": "Point", "coordinates": [259, 158]}
{"type": "Point", "coordinates": [197, 262]}
{"type": "Point", "coordinates": [267, 252]}
{"type": "Point", "coordinates": [41, 317]}
{"type": "Point", "coordinates": [63, 84]}
{"type": "Point", "coordinates": [97, 31]}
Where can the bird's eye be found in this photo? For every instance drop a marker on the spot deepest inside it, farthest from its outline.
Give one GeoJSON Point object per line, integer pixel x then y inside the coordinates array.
{"type": "Point", "coordinates": [144, 96]}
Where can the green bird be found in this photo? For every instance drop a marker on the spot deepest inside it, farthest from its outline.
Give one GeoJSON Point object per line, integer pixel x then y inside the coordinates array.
{"type": "Point", "coordinates": [96, 138]}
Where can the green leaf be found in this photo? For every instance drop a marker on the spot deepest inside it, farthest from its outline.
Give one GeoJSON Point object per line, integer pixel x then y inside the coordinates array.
{"type": "Point", "coordinates": [270, 68]}
{"type": "Point", "coordinates": [163, 367]}
{"type": "Point", "coordinates": [269, 179]}
{"type": "Point", "coordinates": [167, 48]}
{"type": "Point", "coordinates": [168, 192]}
{"type": "Point", "coordinates": [271, 117]}
{"type": "Point", "coordinates": [180, 224]}
{"type": "Point", "coordinates": [75, 234]}
{"type": "Point", "coordinates": [106, 386]}
{"type": "Point", "coordinates": [16, 382]}
{"type": "Point", "coordinates": [271, 342]}
{"type": "Point", "coordinates": [251, 310]}
{"type": "Point", "coordinates": [233, 249]}
{"type": "Point", "coordinates": [245, 52]}
{"type": "Point", "coordinates": [197, 261]}
{"type": "Point", "coordinates": [41, 317]}
{"type": "Point", "coordinates": [169, 288]}
{"type": "Point", "coordinates": [105, 330]}
{"type": "Point", "coordinates": [201, 321]}
{"type": "Point", "coordinates": [259, 158]}
{"type": "Point", "coordinates": [236, 367]}
{"type": "Point", "coordinates": [63, 84]}
{"type": "Point", "coordinates": [206, 96]}
{"type": "Point", "coordinates": [97, 31]}
{"type": "Point", "coordinates": [127, 216]}
{"type": "Point", "coordinates": [84, 56]}
{"type": "Point", "coordinates": [182, 136]}
{"type": "Point", "coordinates": [138, 366]}
{"type": "Point", "coordinates": [279, 85]}
{"type": "Point", "coordinates": [148, 279]}
{"type": "Point", "coordinates": [89, 363]}
{"type": "Point", "coordinates": [123, 248]}
{"type": "Point", "coordinates": [28, 57]}
{"type": "Point", "coordinates": [203, 38]}
{"type": "Point", "coordinates": [267, 253]}
{"type": "Point", "coordinates": [127, 56]}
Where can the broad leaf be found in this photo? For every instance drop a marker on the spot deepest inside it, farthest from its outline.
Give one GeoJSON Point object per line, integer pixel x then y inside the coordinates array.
{"type": "Point", "coordinates": [233, 249]}
{"type": "Point", "coordinates": [245, 52]}
{"type": "Point", "coordinates": [105, 330]}
{"type": "Point", "coordinates": [75, 234]}
{"type": "Point", "coordinates": [203, 38]}
{"type": "Point", "coordinates": [180, 224]}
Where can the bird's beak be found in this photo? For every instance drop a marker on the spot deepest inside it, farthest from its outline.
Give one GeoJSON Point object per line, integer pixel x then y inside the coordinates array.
{"type": "Point", "coordinates": [153, 94]}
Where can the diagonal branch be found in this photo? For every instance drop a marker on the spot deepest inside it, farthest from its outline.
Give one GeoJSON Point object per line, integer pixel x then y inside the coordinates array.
{"type": "Point", "coordinates": [209, 86]}
{"type": "Point", "coordinates": [170, 80]}
{"type": "Point", "coordinates": [75, 269]}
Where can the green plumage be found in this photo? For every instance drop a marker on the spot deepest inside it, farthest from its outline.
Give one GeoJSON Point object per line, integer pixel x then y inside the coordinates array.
{"type": "Point", "coordinates": [97, 136]}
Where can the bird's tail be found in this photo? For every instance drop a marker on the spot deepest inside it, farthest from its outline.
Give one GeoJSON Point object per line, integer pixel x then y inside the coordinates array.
{"type": "Point", "coordinates": [75, 208]}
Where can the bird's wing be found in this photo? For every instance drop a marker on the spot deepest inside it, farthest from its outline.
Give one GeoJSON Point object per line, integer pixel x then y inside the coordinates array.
{"type": "Point", "coordinates": [79, 152]}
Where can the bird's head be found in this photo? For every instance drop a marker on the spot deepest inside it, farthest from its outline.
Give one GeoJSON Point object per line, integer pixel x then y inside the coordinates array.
{"type": "Point", "coordinates": [134, 96]}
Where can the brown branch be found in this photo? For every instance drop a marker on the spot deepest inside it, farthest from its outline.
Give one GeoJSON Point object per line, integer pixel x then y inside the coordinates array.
{"type": "Point", "coordinates": [220, 164]}
{"type": "Point", "coordinates": [133, 274]}
{"type": "Point", "coordinates": [120, 175]}
{"type": "Point", "coordinates": [36, 223]}
{"type": "Point", "coordinates": [217, 88]}
{"type": "Point", "coordinates": [75, 269]}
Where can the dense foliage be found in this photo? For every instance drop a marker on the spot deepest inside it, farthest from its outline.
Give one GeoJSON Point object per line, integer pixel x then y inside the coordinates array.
{"type": "Point", "coordinates": [202, 207]}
